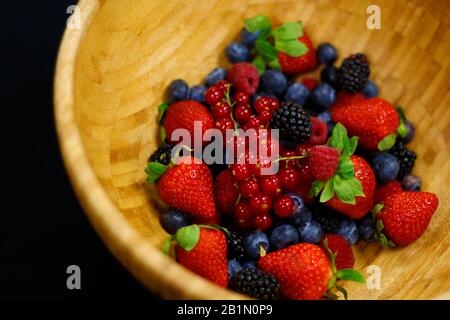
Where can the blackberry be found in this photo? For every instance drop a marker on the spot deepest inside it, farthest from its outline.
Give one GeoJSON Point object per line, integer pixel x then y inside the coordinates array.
{"type": "Point", "coordinates": [256, 284]}
{"type": "Point", "coordinates": [292, 121]}
{"type": "Point", "coordinates": [162, 155]}
{"type": "Point", "coordinates": [405, 158]}
{"type": "Point", "coordinates": [353, 73]}
{"type": "Point", "coordinates": [327, 218]}
{"type": "Point", "coordinates": [235, 246]}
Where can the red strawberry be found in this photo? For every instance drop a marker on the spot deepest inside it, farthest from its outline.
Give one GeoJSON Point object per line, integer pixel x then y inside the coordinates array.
{"type": "Point", "coordinates": [371, 120]}
{"type": "Point", "coordinates": [364, 173]}
{"type": "Point", "coordinates": [319, 132]}
{"type": "Point", "coordinates": [323, 161]}
{"type": "Point", "coordinates": [302, 270]}
{"type": "Point", "coordinates": [386, 190]}
{"type": "Point", "coordinates": [225, 191]}
{"type": "Point", "coordinates": [208, 258]}
{"type": "Point", "coordinates": [245, 77]}
{"type": "Point", "coordinates": [406, 215]}
{"type": "Point", "coordinates": [304, 63]}
{"type": "Point", "coordinates": [183, 114]}
{"type": "Point", "coordinates": [344, 99]}
{"type": "Point", "coordinates": [188, 188]}
{"type": "Point", "coordinates": [310, 83]}
{"type": "Point", "coordinates": [344, 253]}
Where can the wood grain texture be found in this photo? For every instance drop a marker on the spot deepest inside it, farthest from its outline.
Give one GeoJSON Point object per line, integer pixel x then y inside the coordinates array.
{"type": "Point", "coordinates": [111, 76]}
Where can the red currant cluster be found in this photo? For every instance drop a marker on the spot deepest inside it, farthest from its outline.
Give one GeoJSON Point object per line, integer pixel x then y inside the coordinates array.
{"type": "Point", "coordinates": [239, 111]}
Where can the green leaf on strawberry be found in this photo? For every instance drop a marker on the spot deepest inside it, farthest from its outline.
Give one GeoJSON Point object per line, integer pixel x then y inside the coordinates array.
{"type": "Point", "coordinates": [343, 190]}
{"type": "Point", "coordinates": [388, 142]}
{"type": "Point", "coordinates": [267, 51]}
{"type": "Point", "coordinates": [345, 169]}
{"type": "Point", "coordinates": [260, 64]}
{"type": "Point", "coordinates": [350, 275]}
{"type": "Point", "coordinates": [317, 186]}
{"type": "Point", "coordinates": [294, 48]}
{"type": "Point", "coordinates": [161, 110]}
{"type": "Point", "coordinates": [154, 170]}
{"type": "Point", "coordinates": [275, 64]}
{"type": "Point", "coordinates": [187, 237]}
{"type": "Point", "coordinates": [338, 135]}
{"type": "Point", "coordinates": [328, 191]}
{"type": "Point", "coordinates": [162, 134]}
{"type": "Point", "coordinates": [257, 23]}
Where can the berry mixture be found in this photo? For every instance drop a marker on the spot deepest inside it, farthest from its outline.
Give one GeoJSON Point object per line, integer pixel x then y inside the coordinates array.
{"type": "Point", "coordinates": [332, 168]}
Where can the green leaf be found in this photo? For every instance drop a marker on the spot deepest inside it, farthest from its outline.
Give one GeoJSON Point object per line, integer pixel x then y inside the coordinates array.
{"type": "Point", "coordinates": [383, 240]}
{"type": "Point", "coordinates": [332, 282]}
{"type": "Point", "coordinates": [353, 144]}
{"type": "Point", "coordinates": [265, 33]}
{"type": "Point", "coordinates": [257, 23]}
{"type": "Point", "coordinates": [275, 64]}
{"type": "Point", "coordinates": [187, 237]}
{"type": "Point", "coordinates": [356, 186]}
{"type": "Point", "coordinates": [154, 170]}
{"type": "Point", "coordinates": [350, 275]}
{"type": "Point", "coordinates": [401, 113]}
{"type": "Point", "coordinates": [260, 64]}
{"type": "Point", "coordinates": [328, 191]}
{"type": "Point", "coordinates": [343, 190]}
{"type": "Point", "coordinates": [337, 137]}
{"type": "Point", "coordinates": [376, 209]}
{"type": "Point", "coordinates": [266, 50]}
{"type": "Point", "coordinates": [346, 169]}
{"type": "Point", "coordinates": [379, 226]}
{"type": "Point", "coordinates": [288, 31]}
{"type": "Point", "coordinates": [166, 244]}
{"type": "Point", "coordinates": [293, 48]}
{"type": "Point", "coordinates": [162, 109]}
{"type": "Point", "coordinates": [163, 134]}
{"type": "Point", "coordinates": [316, 187]}
{"type": "Point", "coordinates": [402, 130]}
{"type": "Point", "coordinates": [387, 143]}
{"type": "Point", "coordinates": [343, 291]}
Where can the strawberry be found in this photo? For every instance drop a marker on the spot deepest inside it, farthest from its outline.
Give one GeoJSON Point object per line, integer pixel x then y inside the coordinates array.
{"type": "Point", "coordinates": [386, 190]}
{"type": "Point", "coordinates": [406, 215]}
{"type": "Point", "coordinates": [344, 99]}
{"type": "Point", "coordinates": [362, 205]}
{"type": "Point", "coordinates": [302, 270]}
{"type": "Point", "coordinates": [303, 63]}
{"type": "Point", "coordinates": [371, 120]}
{"type": "Point", "coordinates": [183, 114]}
{"type": "Point", "coordinates": [203, 251]}
{"type": "Point", "coordinates": [323, 161]}
{"type": "Point", "coordinates": [344, 253]}
{"type": "Point", "coordinates": [188, 187]}
{"type": "Point", "coordinates": [225, 191]}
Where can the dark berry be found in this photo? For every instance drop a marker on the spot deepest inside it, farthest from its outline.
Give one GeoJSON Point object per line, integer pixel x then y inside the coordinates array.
{"type": "Point", "coordinates": [354, 73]}
{"type": "Point", "coordinates": [367, 230]}
{"type": "Point", "coordinates": [215, 76]}
{"type": "Point", "coordinates": [237, 52]}
{"type": "Point", "coordinates": [310, 232]}
{"type": "Point", "coordinates": [274, 81]}
{"type": "Point", "coordinates": [322, 96]}
{"type": "Point", "coordinates": [326, 54]}
{"type": "Point", "coordinates": [198, 93]}
{"type": "Point", "coordinates": [297, 92]}
{"type": "Point", "coordinates": [370, 90]}
{"type": "Point", "coordinates": [162, 154]}
{"type": "Point", "coordinates": [178, 90]}
{"type": "Point", "coordinates": [249, 38]}
{"type": "Point", "coordinates": [171, 220]}
{"type": "Point", "coordinates": [348, 230]}
{"type": "Point", "coordinates": [233, 268]}
{"type": "Point", "coordinates": [292, 121]}
{"type": "Point", "coordinates": [405, 158]}
{"type": "Point", "coordinates": [327, 218]}
{"type": "Point", "coordinates": [411, 182]}
{"type": "Point", "coordinates": [385, 166]}
{"type": "Point", "coordinates": [256, 284]}
{"type": "Point", "coordinates": [283, 236]}
{"type": "Point", "coordinates": [410, 133]}
{"type": "Point", "coordinates": [256, 243]}
{"type": "Point", "coordinates": [235, 246]}
{"type": "Point", "coordinates": [329, 75]}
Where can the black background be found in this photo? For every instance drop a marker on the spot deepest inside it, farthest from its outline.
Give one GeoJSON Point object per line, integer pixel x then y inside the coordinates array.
{"type": "Point", "coordinates": [43, 229]}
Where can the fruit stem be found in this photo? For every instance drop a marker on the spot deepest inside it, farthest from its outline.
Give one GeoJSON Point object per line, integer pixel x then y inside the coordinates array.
{"type": "Point", "coordinates": [290, 158]}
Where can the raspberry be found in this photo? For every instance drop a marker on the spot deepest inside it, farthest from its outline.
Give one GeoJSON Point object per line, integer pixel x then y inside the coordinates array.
{"type": "Point", "coordinates": [245, 77]}
{"type": "Point", "coordinates": [344, 253]}
{"type": "Point", "coordinates": [323, 161]}
{"type": "Point", "coordinates": [319, 132]}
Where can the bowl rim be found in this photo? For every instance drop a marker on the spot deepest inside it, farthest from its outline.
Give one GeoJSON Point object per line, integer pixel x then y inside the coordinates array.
{"type": "Point", "coordinates": [148, 264]}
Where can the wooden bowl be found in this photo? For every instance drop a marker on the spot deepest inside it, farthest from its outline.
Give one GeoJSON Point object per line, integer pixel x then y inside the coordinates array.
{"type": "Point", "coordinates": [111, 76]}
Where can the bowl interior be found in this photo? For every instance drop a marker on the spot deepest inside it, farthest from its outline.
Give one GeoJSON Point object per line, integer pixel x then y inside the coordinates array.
{"type": "Point", "coordinates": [132, 49]}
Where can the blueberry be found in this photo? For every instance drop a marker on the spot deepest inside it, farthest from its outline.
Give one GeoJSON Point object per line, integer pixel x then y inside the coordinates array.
{"type": "Point", "coordinates": [323, 96]}
{"type": "Point", "coordinates": [326, 117]}
{"type": "Point", "coordinates": [367, 230]}
{"type": "Point", "coordinates": [370, 90]}
{"type": "Point", "coordinates": [283, 236]}
{"type": "Point", "coordinates": [250, 264]}
{"type": "Point", "coordinates": [326, 54]}
{"type": "Point", "coordinates": [301, 213]}
{"type": "Point", "coordinates": [233, 268]}
{"type": "Point", "coordinates": [348, 230]}
{"type": "Point", "coordinates": [254, 242]}
{"type": "Point", "coordinates": [410, 132]}
{"type": "Point", "coordinates": [310, 232]}
{"type": "Point", "coordinates": [329, 75]}
{"type": "Point", "coordinates": [274, 81]}
{"type": "Point", "coordinates": [178, 90]}
{"type": "Point", "coordinates": [215, 76]}
{"type": "Point", "coordinates": [297, 92]}
{"type": "Point", "coordinates": [171, 220]}
{"type": "Point", "coordinates": [198, 93]}
{"type": "Point", "coordinates": [385, 166]}
{"type": "Point", "coordinates": [249, 38]}
{"type": "Point", "coordinates": [411, 182]}
{"type": "Point", "coordinates": [237, 52]}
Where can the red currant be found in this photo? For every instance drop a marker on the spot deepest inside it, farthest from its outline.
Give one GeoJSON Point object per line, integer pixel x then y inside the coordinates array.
{"type": "Point", "coordinates": [265, 116]}
{"type": "Point", "coordinates": [241, 99]}
{"type": "Point", "coordinates": [269, 184]}
{"type": "Point", "coordinates": [242, 113]}
{"type": "Point", "coordinates": [249, 187]}
{"type": "Point", "coordinates": [241, 171]}
{"type": "Point", "coordinates": [266, 103]}
{"type": "Point", "coordinates": [253, 123]}
{"type": "Point", "coordinates": [221, 110]}
{"type": "Point", "coordinates": [284, 206]}
{"type": "Point", "coordinates": [292, 164]}
{"type": "Point", "coordinates": [260, 203]}
{"type": "Point", "coordinates": [262, 221]}
{"type": "Point", "coordinates": [223, 85]}
{"type": "Point", "coordinates": [243, 216]}
{"type": "Point", "coordinates": [289, 179]}
{"type": "Point", "coordinates": [223, 124]}
{"type": "Point", "coordinates": [213, 95]}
